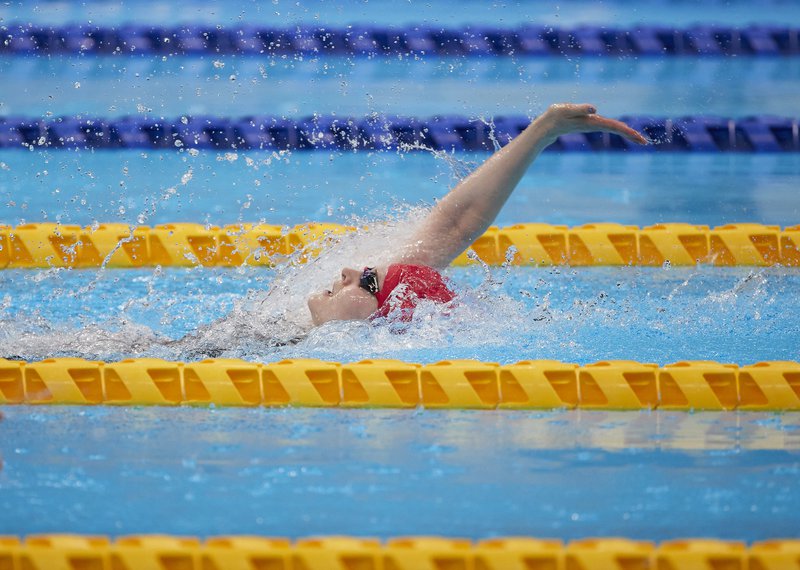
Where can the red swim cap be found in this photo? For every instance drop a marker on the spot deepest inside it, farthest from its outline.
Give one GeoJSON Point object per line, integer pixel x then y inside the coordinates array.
{"type": "Point", "coordinates": [405, 285]}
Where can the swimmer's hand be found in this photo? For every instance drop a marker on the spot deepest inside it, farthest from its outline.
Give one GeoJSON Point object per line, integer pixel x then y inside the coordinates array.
{"type": "Point", "coordinates": [565, 118]}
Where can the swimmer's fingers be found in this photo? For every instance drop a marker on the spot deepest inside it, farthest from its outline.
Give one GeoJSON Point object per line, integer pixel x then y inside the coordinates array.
{"type": "Point", "coordinates": [566, 118]}
{"type": "Point", "coordinates": [600, 123]}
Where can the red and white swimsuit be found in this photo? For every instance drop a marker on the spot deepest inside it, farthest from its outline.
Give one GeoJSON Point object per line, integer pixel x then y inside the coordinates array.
{"type": "Point", "coordinates": [405, 285]}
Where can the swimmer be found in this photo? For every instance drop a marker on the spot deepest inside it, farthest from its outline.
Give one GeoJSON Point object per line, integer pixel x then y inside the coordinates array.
{"type": "Point", "coordinates": [412, 274]}
{"type": "Point", "coordinates": [392, 289]}
{"type": "Point", "coordinates": [452, 225]}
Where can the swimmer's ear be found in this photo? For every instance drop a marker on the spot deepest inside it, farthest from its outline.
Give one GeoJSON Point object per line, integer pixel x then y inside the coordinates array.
{"type": "Point", "coordinates": [586, 109]}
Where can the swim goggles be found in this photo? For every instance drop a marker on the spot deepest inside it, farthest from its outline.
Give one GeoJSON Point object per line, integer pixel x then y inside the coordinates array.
{"type": "Point", "coordinates": [369, 280]}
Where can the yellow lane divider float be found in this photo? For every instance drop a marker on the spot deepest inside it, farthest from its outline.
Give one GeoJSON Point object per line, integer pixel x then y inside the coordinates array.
{"type": "Point", "coordinates": [185, 244]}
{"type": "Point", "coordinates": [542, 384]}
{"type": "Point", "coordinates": [162, 552]}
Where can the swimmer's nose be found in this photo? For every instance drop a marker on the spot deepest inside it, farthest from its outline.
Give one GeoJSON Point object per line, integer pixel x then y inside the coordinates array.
{"type": "Point", "coordinates": [344, 280]}
{"type": "Point", "coordinates": [350, 275]}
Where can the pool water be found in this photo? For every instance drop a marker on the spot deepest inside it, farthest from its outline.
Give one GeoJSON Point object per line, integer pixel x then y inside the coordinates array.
{"type": "Point", "coordinates": [301, 472]}
{"type": "Point", "coordinates": [660, 315]}
{"type": "Point", "coordinates": [225, 188]}
{"type": "Point", "coordinates": [113, 86]}
{"type": "Point", "coordinates": [386, 12]}
{"type": "Point", "coordinates": [298, 472]}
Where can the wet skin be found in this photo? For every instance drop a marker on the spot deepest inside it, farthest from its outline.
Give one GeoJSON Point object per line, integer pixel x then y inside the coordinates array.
{"type": "Point", "coordinates": [346, 299]}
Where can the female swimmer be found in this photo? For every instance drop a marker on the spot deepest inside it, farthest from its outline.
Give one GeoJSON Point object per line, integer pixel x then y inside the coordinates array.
{"type": "Point", "coordinates": [388, 290]}
{"type": "Point", "coordinates": [452, 225]}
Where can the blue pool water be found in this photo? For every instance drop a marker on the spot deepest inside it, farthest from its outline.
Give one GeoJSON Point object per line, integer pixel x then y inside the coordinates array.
{"type": "Point", "coordinates": [132, 187]}
{"type": "Point", "coordinates": [299, 86]}
{"type": "Point", "coordinates": [387, 12]}
{"type": "Point", "coordinates": [398, 472]}
{"type": "Point", "coordinates": [298, 472]}
{"type": "Point", "coordinates": [647, 314]}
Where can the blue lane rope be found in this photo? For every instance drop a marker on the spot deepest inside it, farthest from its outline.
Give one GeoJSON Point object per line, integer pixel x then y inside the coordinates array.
{"type": "Point", "coordinates": [696, 133]}
{"type": "Point", "coordinates": [711, 40]}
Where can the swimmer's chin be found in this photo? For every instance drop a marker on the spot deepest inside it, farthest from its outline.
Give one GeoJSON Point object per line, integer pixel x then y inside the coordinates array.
{"type": "Point", "coordinates": [321, 308]}
{"type": "Point", "coordinates": [314, 304]}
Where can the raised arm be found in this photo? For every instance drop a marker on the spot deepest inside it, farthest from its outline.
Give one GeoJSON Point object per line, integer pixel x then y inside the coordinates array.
{"type": "Point", "coordinates": [471, 207]}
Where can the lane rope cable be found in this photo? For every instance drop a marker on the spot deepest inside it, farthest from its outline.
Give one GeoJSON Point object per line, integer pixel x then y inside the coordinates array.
{"type": "Point", "coordinates": [388, 133]}
{"type": "Point", "coordinates": [416, 41]}
{"type": "Point", "coordinates": [455, 384]}
{"type": "Point", "coordinates": [74, 552]}
{"type": "Point", "coordinates": [118, 245]}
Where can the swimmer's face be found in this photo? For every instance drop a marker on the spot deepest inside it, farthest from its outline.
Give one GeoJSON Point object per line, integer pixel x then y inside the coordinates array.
{"type": "Point", "coordinates": [344, 301]}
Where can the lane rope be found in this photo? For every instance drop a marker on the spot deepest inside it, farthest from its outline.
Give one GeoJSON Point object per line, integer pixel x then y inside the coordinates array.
{"type": "Point", "coordinates": [117, 245]}
{"type": "Point", "coordinates": [457, 384]}
{"type": "Point", "coordinates": [450, 133]}
{"type": "Point", "coordinates": [417, 41]}
{"type": "Point", "coordinates": [400, 553]}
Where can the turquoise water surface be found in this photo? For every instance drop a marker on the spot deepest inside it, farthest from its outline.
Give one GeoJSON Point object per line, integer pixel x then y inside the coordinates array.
{"type": "Point", "coordinates": [113, 86]}
{"type": "Point", "coordinates": [661, 315]}
{"type": "Point", "coordinates": [299, 472]}
{"type": "Point", "coordinates": [471, 474]}
{"type": "Point", "coordinates": [386, 12]}
{"type": "Point", "coordinates": [343, 187]}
